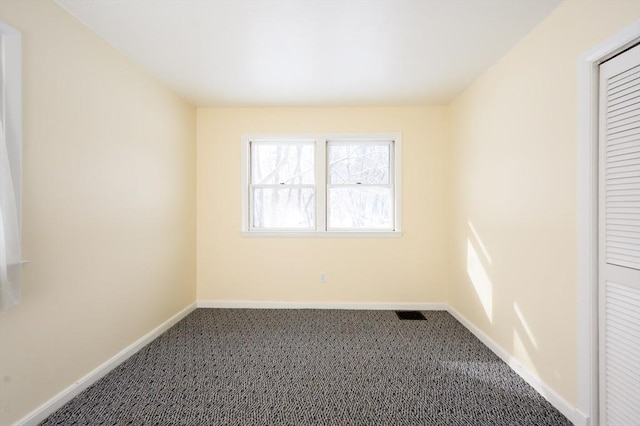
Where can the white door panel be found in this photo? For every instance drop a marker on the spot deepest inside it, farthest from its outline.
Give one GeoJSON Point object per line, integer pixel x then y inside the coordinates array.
{"type": "Point", "coordinates": [619, 240]}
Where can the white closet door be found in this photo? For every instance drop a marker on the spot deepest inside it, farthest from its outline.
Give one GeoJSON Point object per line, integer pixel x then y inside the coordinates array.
{"type": "Point", "coordinates": [619, 236]}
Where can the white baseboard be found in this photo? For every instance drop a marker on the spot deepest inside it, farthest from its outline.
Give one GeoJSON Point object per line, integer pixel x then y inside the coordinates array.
{"type": "Point", "coordinates": [49, 407]}
{"type": "Point", "coordinates": [249, 304]}
{"type": "Point", "coordinates": [574, 415]}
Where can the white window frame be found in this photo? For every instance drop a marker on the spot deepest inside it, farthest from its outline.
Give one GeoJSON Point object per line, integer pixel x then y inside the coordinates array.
{"type": "Point", "coordinates": [11, 205]}
{"type": "Point", "coordinates": [321, 142]}
{"type": "Point", "coordinates": [250, 186]}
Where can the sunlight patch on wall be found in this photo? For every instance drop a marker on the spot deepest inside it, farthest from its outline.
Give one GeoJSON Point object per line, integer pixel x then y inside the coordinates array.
{"type": "Point", "coordinates": [481, 245]}
{"type": "Point", "coordinates": [522, 354]}
{"type": "Point", "coordinates": [480, 280]}
{"type": "Point", "coordinates": [525, 325]}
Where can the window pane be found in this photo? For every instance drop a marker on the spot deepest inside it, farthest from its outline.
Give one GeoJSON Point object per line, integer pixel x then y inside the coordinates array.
{"type": "Point", "coordinates": [282, 163]}
{"type": "Point", "coordinates": [364, 163]}
{"type": "Point", "coordinates": [360, 208]}
{"type": "Point", "coordinates": [283, 208]}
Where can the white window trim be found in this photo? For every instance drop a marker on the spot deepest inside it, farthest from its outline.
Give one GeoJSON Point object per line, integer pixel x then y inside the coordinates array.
{"type": "Point", "coordinates": [11, 261]}
{"type": "Point", "coordinates": [321, 140]}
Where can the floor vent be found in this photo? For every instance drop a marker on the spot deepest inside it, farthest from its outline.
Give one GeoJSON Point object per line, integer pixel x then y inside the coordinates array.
{"type": "Point", "coordinates": [410, 315]}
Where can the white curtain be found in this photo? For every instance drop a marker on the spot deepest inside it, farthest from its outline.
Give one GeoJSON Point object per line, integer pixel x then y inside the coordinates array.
{"type": "Point", "coordinates": [10, 167]}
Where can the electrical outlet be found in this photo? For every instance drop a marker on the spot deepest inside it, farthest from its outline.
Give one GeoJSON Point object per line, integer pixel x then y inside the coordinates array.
{"type": "Point", "coordinates": [323, 277]}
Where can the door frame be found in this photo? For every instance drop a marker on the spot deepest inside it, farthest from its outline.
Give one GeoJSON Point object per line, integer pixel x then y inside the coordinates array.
{"type": "Point", "coordinates": [587, 218]}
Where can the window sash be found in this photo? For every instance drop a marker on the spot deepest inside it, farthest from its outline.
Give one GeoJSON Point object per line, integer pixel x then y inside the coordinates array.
{"type": "Point", "coordinates": [362, 142]}
{"type": "Point", "coordinates": [363, 187]}
{"type": "Point", "coordinates": [252, 217]}
{"type": "Point", "coordinates": [254, 145]}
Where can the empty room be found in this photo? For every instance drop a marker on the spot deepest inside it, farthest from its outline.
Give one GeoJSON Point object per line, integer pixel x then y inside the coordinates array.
{"type": "Point", "coordinates": [281, 212]}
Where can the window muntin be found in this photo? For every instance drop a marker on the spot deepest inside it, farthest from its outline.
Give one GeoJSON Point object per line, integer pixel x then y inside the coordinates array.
{"type": "Point", "coordinates": [314, 185]}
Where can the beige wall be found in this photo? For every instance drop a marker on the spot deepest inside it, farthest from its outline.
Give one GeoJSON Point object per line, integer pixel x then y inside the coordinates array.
{"type": "Point", "coordinates": [409, 269]}
{"type": "Point", "coordinates": [514, 189]}
{"type": "Point", "coordinates": [109, 208]}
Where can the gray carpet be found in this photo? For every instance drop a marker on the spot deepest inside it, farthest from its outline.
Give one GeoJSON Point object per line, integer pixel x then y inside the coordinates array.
{"type": "Point", "coordinates": [311, 367]}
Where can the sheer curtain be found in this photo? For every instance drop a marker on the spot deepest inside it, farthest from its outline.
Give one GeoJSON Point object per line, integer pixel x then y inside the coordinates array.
{"type": "Point", "coordinates": [10, 168]}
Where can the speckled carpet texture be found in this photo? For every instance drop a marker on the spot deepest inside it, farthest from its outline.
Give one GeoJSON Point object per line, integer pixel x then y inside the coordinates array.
{"type": "Point", "coordinates": [311, 367]}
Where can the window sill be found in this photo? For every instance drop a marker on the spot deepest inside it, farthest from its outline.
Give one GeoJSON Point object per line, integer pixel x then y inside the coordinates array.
{"type": "Point", "coordinates": [327, 234]}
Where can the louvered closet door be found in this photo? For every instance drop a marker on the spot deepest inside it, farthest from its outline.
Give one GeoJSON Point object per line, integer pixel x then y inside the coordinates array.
{"type": "Point", "coordinates": [619, 198]}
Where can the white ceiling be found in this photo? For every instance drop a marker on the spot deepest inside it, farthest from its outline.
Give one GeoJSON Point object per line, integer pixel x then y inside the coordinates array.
{"type": "Point", "coordinates": [313, 52]}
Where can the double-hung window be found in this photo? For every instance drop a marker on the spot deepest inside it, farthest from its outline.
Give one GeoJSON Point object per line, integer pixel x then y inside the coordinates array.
{"type": "Point", "coordinates": [283, 185]}
{"type": "Point", "coordinates": [322, 185]}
